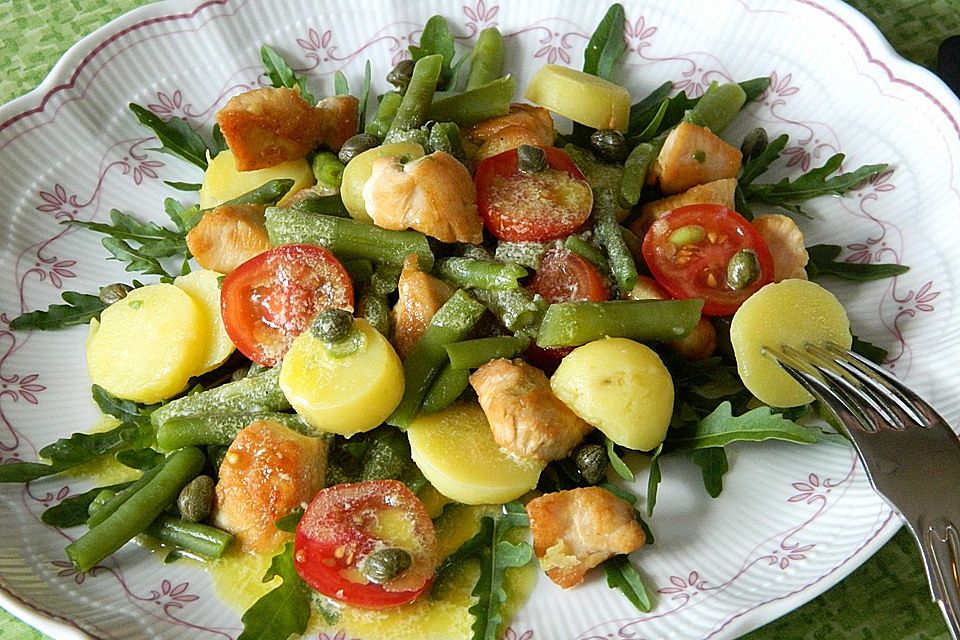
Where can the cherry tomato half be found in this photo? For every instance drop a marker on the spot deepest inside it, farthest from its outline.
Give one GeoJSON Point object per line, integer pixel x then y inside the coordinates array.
{"type": "Point", "coordinates": [689, 252]}
{"type": "Point", "coordinates": [272, 298]}
{"type": "Point", "coordinates": [346, 523]}
{"type": "Point", "coordinates": [564, 276]}
{"type": "Point", "coordinates": [532, 207]}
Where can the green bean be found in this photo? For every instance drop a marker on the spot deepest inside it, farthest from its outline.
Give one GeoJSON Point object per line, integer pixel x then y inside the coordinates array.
{"type": "Point", "coordinates": [385, 279]}
{"type": "Point", "coordinates": [516, 309]}
{"type": "Point", "coordinates": [360, 271]}
{"type": "Point", "coordinates": [75, 510]}
{"type": "Point", "coordinates": [570, 324]}
{"type": "Point", "coordinates": [445, 136]}
{"type": "Point", "coordinates": [480, 103]}
{"type": "Point", "coordinates": [202, 540]}
{"type": "Point", "coordinates": [218, 428]}
{"type": "Point", "coordinates": [108, 501]}
{"type": "Point", "coordinates": [269, 193]}
{"type": "Point", "coordinates": [137, 512]}
{"type": "Point", "coordinates": [527, 254]}
{"type": "Point", "coordinates": [451, 323]}
{"type": "Point", "coordinates": [348, 238]}
{"type": "Point", "coordinates": [610, 237]}
{"type": "Point", "coordinates": [414, 110]}
{"type": "Point", "coordinates": [717, 107]}
{"type": "Point", "coordinates": [483, 274]}
{"type": "Point", "coordinates": [449, 385]}
{"type": "Point", "coordinates": [579, 246]}
{"type": "Point", "coordinates": [635, 172]}
{"type": "Point", "coordinates": [486, 60]}
{"type": "Point", "coordinates": [327, 169]}
{"type": "Point", "coordinates": [375, 309]}
{"type": "Point", "coordinates": [388, 455]}
{"type": "Point", "coordinates": [386, 112]}
{"type": "Point", "coordinates": [331, 205]}
{"type": "Point", "coordinates": [255, 394]}
{"type": "Point", "coordinates": [470, 354]}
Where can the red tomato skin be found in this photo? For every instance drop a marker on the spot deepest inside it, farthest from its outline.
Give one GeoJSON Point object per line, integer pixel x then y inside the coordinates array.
{"type": "Point", "coordinates": [330, 540]}
{"type": "Point", "coordinates": [505, 222]}
{"type": "Point", "coordinates": [272, 298]}
{"type": "Point", "coordinates": [682, 279]}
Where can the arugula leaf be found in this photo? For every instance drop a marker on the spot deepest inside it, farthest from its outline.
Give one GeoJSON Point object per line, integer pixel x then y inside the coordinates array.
{"type": "Point", "coordinates": [141, 459]}
{"type": "Point", "coordinates": [622, 575]}
{"type": "Point", "coordinates": [176, 136]}
{"type": "Point", "coordinates": [713, 465]}
{"type": "Point", "coordinates": [281, 75]}
{"type": "Point", "coordinates": [823, 262]}
{"type": "Point", "coordinates": [755, 87]}
{"type": "Point", "coordinates": [653, 127]}
{"type": "Point", "coordinates": [721, 427]}
{"type": "Point", "coordinates": [341, 86]}
{"type": "Point", "coordinates": [643, 112]}
{"type": "Point", "coordinates": [80, 309]}
{"type": "Point", "coordinates": [653, 480]}
{"type": "Point", "coordinates": [474, 547]}
{"type": "Point", "coordinates": [219, 142]}
{"type": "Point", "coordinates": [283, 611]}
{"type": "Point", "coordinates": [289, 522]}
{"type": "Point", "coordinates": [183, 186]}
{"type": "Point", "coordinates": [871, 352]}
{"type": "Point", "coordinates": [111, 405]}
{"type": "Point", "coordinates": [364, 98]}
{"type": "Point", "coordinates": [436, 38]}
{"type": "Point", "coordinates": [619, 466]}
{"type": "Point", "coordinates": [759, 164]}
{"type": "Point", "coordinates": [185, 218]}
{"type": "Point", "coordinates": [74, 511]}
{"type": "Point", "coordinates": [606, 44]}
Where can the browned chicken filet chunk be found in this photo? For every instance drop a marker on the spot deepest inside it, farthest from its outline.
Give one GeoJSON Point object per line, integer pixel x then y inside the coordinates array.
{"type": "Point", "coordinates": [420, 296]}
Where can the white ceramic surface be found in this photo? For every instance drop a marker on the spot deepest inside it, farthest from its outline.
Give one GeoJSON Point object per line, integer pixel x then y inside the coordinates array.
{"type": "Point", "coordinates": [791, 521]}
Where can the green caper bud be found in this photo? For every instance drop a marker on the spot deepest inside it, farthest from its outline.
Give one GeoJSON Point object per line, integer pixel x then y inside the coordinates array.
{"type": "Point", "coordinates": [743, 269]}
{"type": "Point", "coordinates": [609, 145]}
{"type": "Point", "coordinates": [355, 145]}
{"type": "Point", "coordinates": [531, 159]}
{"type": "Point", "coordinates": [591, 460]}
{"type": "Point", "coordinates": [400, 75]}
{"type": "Point", "coordinates": [754, 143]}
{"type": "Point", "coordinates": [196, 499]}
{"type": "Point", "coordinates": [114, 292]}
{"type": "Point", "coordinates": [383, 565]}
{"type": "Point", "coordinates": [332, 325]}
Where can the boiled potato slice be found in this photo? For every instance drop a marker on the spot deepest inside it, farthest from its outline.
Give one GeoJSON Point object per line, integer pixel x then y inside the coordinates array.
{"type": "Point", "coordinates": [793, 312]}
{"type": "Point", "coordinates": [204, 286]}
{"type": "Point", "coordinates": [455, 450]}
{"type": "Point", "coordinates": [619, 386]}
{"type": "Point", "coordinates": [223, 182]}
{"type": "Point", "coordinates": [581, 97]}
{"type": "Point", "coordinates": [358, 171]}
{"type": "Point", "coordinates": [148, 345]}
{"type": "Point", "coordinates": [346, 394]}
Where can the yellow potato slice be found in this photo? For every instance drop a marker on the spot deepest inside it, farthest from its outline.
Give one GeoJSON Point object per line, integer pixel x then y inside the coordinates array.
{"type": "Point", "coordinates": [455, 450]}
{"type": "Point", "coordinates": [204, 286]}
{"type": "Point", "coordinates": [581, 97]}
{"type": "Point", "coordinates": [359, 169]}
{"type": "Point", "coordinates": [347, 394]}
{"type": "Point", "coordinates": [793, 312]}
{"type": "Point", "coordinates": [148, 345]}
{"type": "Point", "coordinates": [223, 182]}
{"type": "Point", "coordinates": [619, 386]}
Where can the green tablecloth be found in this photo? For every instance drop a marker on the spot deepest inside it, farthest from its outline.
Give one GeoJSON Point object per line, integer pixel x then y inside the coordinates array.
{"type": "Point", "coordinates": [33, 35]}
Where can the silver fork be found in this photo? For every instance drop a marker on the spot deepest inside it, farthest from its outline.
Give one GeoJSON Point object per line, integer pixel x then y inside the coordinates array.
{"type": "Point", "coordinates": [910, 453]}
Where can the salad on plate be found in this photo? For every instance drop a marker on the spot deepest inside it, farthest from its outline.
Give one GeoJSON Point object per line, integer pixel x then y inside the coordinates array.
{"type": "Point", "coordinates": [406, 347]}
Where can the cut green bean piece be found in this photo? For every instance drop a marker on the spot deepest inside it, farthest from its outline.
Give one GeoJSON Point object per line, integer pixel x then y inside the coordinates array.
{"type": "Point", "coordinates": [414, 109]}
{"type": "Point", "coordinates": [360, 271]}
{"type": "Point", "coordinates": [327, 169]}
{"type": "Point", "coordinates": [516, 309]}
{"type": "Point", "coordinates": [635, 172]}
{"type": "Point", "coordinates": [486, 60]}
{"type": "Point", "coordinates": [347, 238]}
{"type": "Point", "coordinates": [201, 540]}
{"type": "Point", "coordinates": [527, 254]}
{"type": "Point", "coordinates": [445, 136]}
{"type": "Point", "coordinates": [470, 354]}
{"type": "Point", "coordinates": [386, 112]}
{"type": "Point", "coordinates": [570, 324]}
{"type": "Point", "coordinates": [449, 385]}
{"type": "Point", "coordinates": [136, 513]}
{"type": "Point", "coordinates": [610, 237]}
{"type": "Point", "coordinates": [108, 501]}
{"type": "Point", "coordinates": [375, 309]}
{"type": "Point", "coordinates": [579, 246]}
{"type": "Point", "coordinates": [75, 510]}
{"type": "Point", "coordinates": [331, 205]}
{"type": "Point", "coordinates": [717, 107]}
{"type": "Point", "coordinates": [483, 274]}
{"type": "Point", "coordinates": [219, 428]}
{"type": "Point", "coordinates": [451, 323]}
{"type": "Point", "coordinates": [388, 456]}
{"type": "Point", "coordinates": [480, 103]}
{"type": "Point", "coordinates": [269, 193]}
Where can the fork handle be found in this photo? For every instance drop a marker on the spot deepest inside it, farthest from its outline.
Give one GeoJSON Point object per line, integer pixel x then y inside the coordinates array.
{"type": "Point", "coordinates": [939, 542]}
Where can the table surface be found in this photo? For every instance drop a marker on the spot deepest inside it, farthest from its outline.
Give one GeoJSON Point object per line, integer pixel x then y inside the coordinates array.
{"type": "Point", "coordinates": [35, 33]}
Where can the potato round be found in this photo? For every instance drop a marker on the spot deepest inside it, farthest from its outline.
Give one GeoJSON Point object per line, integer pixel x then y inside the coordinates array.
{"type": "Point", "coordinates": [582, 97]}
{"type": "Point", "coordinates": [204, 287]}
{"type": "Point", "coordinates": [148, 345]}
{"type": "Point", "coordinates": [793, 312]}
{"type": "Point", "coordinates": [455, 450]}
{"type": "Point", "coordinates": [359, 169]}
{"type": "Point", "coordinates": [223, 182]}
{"type": "Point", "coordinates": [347, 394]}
{"type": "Point", "coordinates": [619, 386]}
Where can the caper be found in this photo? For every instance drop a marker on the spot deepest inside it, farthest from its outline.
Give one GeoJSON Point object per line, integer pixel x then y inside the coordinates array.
{"type": "Point", "coordinates": [592, 463]}
{"type": "Point", "coordinates": [196, 499]}
{"type": "Point", "coordinates": [383, 565]}
{"type": "Point", "coordinates": [332, 325]}
{"type": "Point", "coordinates": [531, 159]}
{"type": "Point", "coordinates": [754, 143]}
{"type": "Point", "coordinates": [114, 292]}
{"type": "Point", "coordinates": [609, 145]}
{"type": "Point", "coordinates": [743, 269]}
{"type": "Point", "coordinates": [355, 145]}
{"type": "Point", "coordinates": [400, 75]}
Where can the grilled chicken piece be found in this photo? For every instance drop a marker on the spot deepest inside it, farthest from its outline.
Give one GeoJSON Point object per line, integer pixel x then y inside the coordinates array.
{"type": "Point", "coordinates": [434, 195]}
{"type": "Point", "coordinates": [785, 241]}
{"type": "Point", "coordinates": [268, 471]}
{"type": "Point", "coordinates": [574, 531]}
{"type": "Point", "coordinates": [228, 236]}
{"type": "Point", "coordinates": [525, 124]}
{"type": "Point", "coordinates": [524, 414]}
{"type": "Point", "coordinates": [420, 296]}
{"type": "Point", "coordinates": [693, 155]}
{"type": "Point", "coordinates": [339, 116]}
{"type": "Point", "coordinates": [700, 343]}
{"type": "Point", "coordinates": [717, 192]}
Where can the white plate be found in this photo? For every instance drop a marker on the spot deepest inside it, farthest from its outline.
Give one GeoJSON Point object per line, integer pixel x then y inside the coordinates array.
{"type": "Point", "coordinates": [791, 521]}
